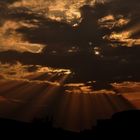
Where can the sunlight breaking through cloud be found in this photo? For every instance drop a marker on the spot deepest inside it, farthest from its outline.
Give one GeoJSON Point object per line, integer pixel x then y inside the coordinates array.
{"type": "Point", "coordinates": [32, 73]}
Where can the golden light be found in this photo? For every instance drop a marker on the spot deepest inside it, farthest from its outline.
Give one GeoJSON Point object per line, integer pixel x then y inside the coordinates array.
{"type": "Point", "coordinates": [125, 38]}
{"type": "Point", "coordinates": [121, 22]}
{"type": "Point", "coordinates": [30, 99]}
{"type": "Point", "coordinates": [57, 10]}
{"type": "Point", "coordinates": [97, 51]}
{"type": "Point", "coordinates": [11, 40]}
{"type": "Point", "coordinates": [110, 21]}
{"type": "Point", "coordinates": [120, 36]}
{"type": "Point", "coordinates": [29, 92]}
{"type": "Point", "coordinates": [107, 18]}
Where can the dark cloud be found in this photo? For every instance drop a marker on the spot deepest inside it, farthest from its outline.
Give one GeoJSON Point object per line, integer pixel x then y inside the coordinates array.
{"type": "Point", "coordinates": [129, 9]}
{"type": "Point", "coordinates": [8, 1]}
{"type": "Point", "coordinates": [89, 29]}
{"type": "Point", "coordinates": [4, 10]}
{"type": "Point", "coordinates": [87, 33]}
{"type": "Point", "coordinates": [124, 7]}
{"type": "Point", "coordinates": [64, 35]}
{"type": "Point", "coordinates": [49, 32]}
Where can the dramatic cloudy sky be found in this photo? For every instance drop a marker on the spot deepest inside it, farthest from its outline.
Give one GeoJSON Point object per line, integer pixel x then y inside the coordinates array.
{"type": "Point", "coordinates": [30, 25]}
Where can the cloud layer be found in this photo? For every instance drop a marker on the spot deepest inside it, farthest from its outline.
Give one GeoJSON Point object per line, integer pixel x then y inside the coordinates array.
{"type": "Point", "coordinates": [30, 25]}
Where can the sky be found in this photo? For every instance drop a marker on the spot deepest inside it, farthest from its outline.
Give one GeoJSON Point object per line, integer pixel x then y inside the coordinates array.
{"type": "Point", "coordinates": [93, 43]}
{"type": "Point", "coordinates": [31, 25]}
